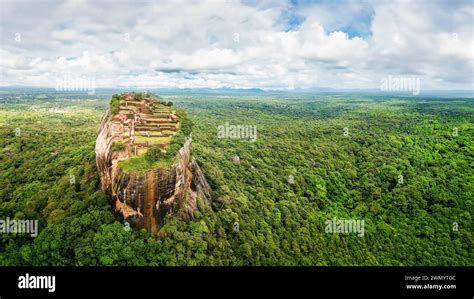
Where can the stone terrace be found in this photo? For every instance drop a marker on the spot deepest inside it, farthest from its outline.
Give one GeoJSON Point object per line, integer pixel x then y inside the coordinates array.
{"type": "Point", "coordinates": [143, 123]}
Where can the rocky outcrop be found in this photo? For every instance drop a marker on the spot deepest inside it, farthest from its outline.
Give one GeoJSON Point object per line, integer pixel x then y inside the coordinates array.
{"type": "Point", "coordinates": [144, 199]}
{"type": "Point", "coordinates": [235, 160]}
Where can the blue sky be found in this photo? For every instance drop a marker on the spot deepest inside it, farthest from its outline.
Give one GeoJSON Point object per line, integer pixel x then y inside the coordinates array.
{"type": "Point", "coordinates": [241, 44]}
{"type": "Point", "coordinates": [356, 23]}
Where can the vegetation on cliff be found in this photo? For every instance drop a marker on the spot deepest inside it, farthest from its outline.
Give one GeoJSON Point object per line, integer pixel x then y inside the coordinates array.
{"type": "Point", "coordinates": [145, 162]}
{"type": "Point", "coordinates": [115, 104]}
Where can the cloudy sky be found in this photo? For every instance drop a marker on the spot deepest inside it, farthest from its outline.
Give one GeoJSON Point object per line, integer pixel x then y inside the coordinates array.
{"type": "Point", "coordinates": [241, 44]}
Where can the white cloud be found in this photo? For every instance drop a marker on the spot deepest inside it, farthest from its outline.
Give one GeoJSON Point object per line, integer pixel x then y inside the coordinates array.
{"type": "Point", "coordinates": [228, 43]}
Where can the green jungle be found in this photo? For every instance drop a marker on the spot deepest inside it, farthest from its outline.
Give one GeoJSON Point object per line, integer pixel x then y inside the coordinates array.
{"type": "Point", "coordinates": [404, 165]}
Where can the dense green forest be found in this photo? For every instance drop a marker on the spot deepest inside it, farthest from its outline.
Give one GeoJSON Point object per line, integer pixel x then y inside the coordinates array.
{"type": "Point", "coordinates": [404, 165]}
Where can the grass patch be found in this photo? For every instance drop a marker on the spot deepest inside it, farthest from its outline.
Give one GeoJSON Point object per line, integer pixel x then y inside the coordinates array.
{"type": "Point", "coordinates": [140, 164]}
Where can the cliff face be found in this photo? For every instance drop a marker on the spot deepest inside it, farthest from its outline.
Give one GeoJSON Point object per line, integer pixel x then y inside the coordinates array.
{"type": "Point", "coordinates": [144, 199]}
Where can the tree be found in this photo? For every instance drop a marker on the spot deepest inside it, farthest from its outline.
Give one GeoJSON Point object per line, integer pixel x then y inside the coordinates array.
{"type": "Point", "coordinates": [153, 154]}
{"type": "Point", "coordinates": [115, 104]}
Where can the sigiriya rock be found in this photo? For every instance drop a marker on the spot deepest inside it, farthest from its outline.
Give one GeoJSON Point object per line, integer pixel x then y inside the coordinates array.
{"type": "Point", "coordinates": [143, 155]}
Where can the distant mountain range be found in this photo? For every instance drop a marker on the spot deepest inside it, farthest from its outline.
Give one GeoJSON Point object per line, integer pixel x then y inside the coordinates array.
{"type": "Point", "coordinates": [259, 91]}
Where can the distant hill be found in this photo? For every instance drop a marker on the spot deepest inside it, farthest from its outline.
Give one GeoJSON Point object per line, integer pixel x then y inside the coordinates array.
{"type": "Point", "coordinates": [257, 91]}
